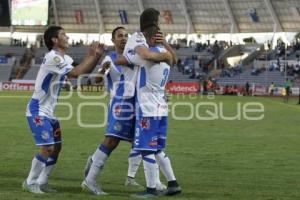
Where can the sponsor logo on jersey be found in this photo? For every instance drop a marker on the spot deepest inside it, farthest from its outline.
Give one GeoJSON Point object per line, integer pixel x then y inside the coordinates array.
{"type": "Point", "coordinates": [61, 65]}
{"type": "Point", "coordinates": [38, 121]}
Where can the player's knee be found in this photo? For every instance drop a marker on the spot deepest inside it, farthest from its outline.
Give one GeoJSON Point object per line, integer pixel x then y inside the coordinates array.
{"type": "Point", "coordinates": [111, 142]}
{"type": "Point", "coordinates": [158, 151]}
{"type": "Point", "coordinates": [46, 151]}
{"type": "Point", "coordinates": [57, 149]}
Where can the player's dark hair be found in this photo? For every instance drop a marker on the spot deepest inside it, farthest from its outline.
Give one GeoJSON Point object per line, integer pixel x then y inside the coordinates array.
{"type": "Point", "coordinates": [150, 31]}
{"type": "Point", "coordinates": [115, 30]}
{"type": "Point", "coordinates": [51, 32]}
{"type": "Point", "coordinates": [149, 17]}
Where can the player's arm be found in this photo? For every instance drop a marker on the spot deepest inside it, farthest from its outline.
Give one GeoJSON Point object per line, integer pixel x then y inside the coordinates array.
{"type": "Point", "coordinates": [146, 54]}
{"type": "Point", "coordinates": [101, 72]}
{"type": "Point", "coordinates": [160, 39]}
{"type": "Point", "coordinates": [143, 53]}
{"type": "Point", "coordinates": [89, 62]}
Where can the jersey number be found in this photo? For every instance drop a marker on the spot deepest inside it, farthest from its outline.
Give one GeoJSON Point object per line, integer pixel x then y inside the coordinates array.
{"type": "Point", "coordinates": [165, 74]}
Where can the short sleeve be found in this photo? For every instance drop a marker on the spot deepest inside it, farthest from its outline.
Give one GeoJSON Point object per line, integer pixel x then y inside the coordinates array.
{"type": "Point", "coordinates": [136, 40]}
{"type": "Point", "coordinates": [57, 64]}
{"type": "Point", "coordinates": [134, 59]}
{"type": "Point", "coordinates": [69, 59]}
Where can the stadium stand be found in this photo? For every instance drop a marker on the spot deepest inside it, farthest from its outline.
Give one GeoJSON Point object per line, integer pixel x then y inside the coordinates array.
{"type": "Point", "coordinates": [264, 79]}
{"type": "Point", "coordinates": [189, 16]}
{"type": "Point", "coordinates": [32, 73]}
{"type": "Point", "coordinates": [5, 71]}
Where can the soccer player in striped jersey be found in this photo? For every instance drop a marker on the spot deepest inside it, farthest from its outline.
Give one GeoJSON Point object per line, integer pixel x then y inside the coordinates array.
{"type": "Point", "coordinates": [40, 109]}
{"type": "Point", "coordinates": [151, 111]}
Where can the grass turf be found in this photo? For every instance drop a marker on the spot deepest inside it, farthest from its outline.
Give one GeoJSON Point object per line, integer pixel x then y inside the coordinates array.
{"type": "Point", "coordinates": [216, 159]}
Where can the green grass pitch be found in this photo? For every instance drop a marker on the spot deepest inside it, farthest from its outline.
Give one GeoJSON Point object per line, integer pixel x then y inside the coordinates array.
{"type": "Point", "coordinates": [216, 159]}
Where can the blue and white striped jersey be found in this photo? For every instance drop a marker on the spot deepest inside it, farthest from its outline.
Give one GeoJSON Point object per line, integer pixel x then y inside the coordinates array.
{"type": "Point", "coordinates": [150, 87]}
{"type": "Point", "coordinates": [48, 84]}
{"type": "Point", "coordinates": [135, 40]}
{"type": "Point", "coordinates": [119, 78]}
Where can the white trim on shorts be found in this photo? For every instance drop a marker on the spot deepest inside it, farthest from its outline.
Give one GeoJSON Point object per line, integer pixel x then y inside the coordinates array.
{"type": "Point", "coordinates": [143, 149]}
{"type": "Point", "coordinates": [48, 143]}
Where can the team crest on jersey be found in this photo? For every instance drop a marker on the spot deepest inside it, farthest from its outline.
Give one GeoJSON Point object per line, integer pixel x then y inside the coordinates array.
{"type": "Point", "coordinates": [117, 126]}
{"type": "Point", "coordinates": [56, 59]}
{"type": "Point", "coordinates": [45, 135]}
{"type": "Point", "coordinates": [38, 121]}
{"type": "Point", "coordinates": [117, 110]}
{"type": "Point", "coordinates": [145, 123]}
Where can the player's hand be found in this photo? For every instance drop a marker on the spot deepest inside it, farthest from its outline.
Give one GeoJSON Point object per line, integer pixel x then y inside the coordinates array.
{"type": "Point", "coordinates": [106, 65]}
{"type": "Point", "coordinates": [96, 49]}
{"type": "Point", "coordinates": [159, 38]}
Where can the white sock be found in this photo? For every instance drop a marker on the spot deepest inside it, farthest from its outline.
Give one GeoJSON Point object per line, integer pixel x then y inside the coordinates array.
{"type": "Point", "coordinates": [134, 161]}
{"type": "Point", "coordinates": [43, 178]}
{"type": "Point", "coordinates": [151, 170]}
{"type": "Point", "coordinates": [37, 165]}
{"type": "Point", "coordinates": [99, 158]}
{"type": "Point", "coordinates": [158, 178]}
{"type": "Point", "coordinates": [165, 165]}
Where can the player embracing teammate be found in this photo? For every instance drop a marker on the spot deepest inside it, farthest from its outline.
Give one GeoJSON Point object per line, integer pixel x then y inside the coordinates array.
{"type": "Point", "coordinates": [143, 75]}
{"type": "Point", "coordinates": [151, 106]}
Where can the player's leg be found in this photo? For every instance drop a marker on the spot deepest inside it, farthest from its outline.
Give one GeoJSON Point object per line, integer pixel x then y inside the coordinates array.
{"type": "Point", "coordinates": [98, 160]}
{"type": "Point", "coordinates": [117, 129]}
{"type": "Point", "coordinates": [42, 132]}
{"type": "Point", "coordinates": [151, 170]}
{"type": "Point", "coordinates": [166, 168]}
{"type": "Point", "coordinates": [134, 161]}
{"type": "Point", "coordinates": [146, 142]}
{"type": "Point", "coordinates": [164, 161]}
{"type": "Point", "coordinates": [52, 159]}
{"type": "Point", "coordinates": [159, 185]}
{"type": "Point", "coordinates": [134, 158]}
{"type": "Point", "coordinates": [38, 164]}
